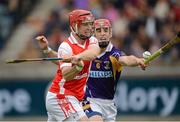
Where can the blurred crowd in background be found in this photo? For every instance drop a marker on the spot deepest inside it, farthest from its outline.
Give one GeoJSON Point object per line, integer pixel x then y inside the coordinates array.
{"type": "Point", "coordinates": [12, 13]}
{"type": "Point", "coordinates": [138, 25]}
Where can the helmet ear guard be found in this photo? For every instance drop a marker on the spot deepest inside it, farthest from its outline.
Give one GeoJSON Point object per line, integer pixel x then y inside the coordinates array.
{"type": "Point", "coordinates": [110, 31]}
{"type": "Point", "coordinates": [75, 29]}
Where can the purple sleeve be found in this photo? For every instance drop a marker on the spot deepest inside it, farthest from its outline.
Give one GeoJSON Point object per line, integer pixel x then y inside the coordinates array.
{"type": "Point", "coordinates": [117, 53]}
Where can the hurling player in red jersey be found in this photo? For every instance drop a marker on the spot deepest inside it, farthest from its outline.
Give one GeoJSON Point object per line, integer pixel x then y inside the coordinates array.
{"type": "Point", "coordinates": [68, 87]}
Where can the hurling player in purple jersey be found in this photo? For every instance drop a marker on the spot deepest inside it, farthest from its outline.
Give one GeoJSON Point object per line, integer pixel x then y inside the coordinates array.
{"type": "Point", "coordinates": [104, 74]}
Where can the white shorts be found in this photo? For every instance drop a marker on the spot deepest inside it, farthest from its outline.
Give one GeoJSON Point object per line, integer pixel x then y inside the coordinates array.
{"type": "Point", "coordinates": [68, 109]}
{"type": "Point", "coordinates": [106, 107]}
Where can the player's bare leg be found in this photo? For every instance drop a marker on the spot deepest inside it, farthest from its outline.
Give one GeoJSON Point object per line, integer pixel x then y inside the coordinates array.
{"type": "Point", "coordinates": [83, 119]}
{"type": "Point", "coordinates": [96, 118]}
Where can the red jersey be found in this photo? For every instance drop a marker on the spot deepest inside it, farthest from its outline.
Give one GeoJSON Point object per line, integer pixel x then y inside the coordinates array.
{"type": "Point", "coordinates": [76, 86]}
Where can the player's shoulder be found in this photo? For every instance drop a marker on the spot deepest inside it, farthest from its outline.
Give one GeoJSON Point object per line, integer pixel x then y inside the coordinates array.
{"type": "Point", "coordinates": [93, 39]}
{"type": "Point", "coordinates": [117, 52]}
{"type": "Point", "coordinates": [114, 49]}
{"type": "Point", "coordinates": [65, 45]}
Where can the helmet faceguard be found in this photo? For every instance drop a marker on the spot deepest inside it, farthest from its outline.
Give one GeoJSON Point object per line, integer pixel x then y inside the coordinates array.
{"type": "Point", "coordinates": [77, 17]}
{"type": "Point", "coordinates": [103, 23]}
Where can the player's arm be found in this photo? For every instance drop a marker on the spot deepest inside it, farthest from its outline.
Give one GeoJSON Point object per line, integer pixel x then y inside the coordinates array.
{"type": "Point", "coordinates": [92, 51]}
{"type": "Point", "coordinates": [43, 43]}
{"type": "Point", "coordinates": [70, 72]}
{"type": "Point", "coordinates": [71, 69]}
{"type": "Point", "coordinates": [90, 54]}
{"type": "Point", "coordinates": [51, 54]}
{"type": "Point", "coordinates": [132, 61]}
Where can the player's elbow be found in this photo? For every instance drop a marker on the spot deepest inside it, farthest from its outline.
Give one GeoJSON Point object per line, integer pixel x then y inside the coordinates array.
{"type": "Point", "coordinates": [127, 60]}
{"type": "Point", "coordinates": [95, 52]}
{"type": "Point", "coordinates": [65, 73]}
{"type": "Point", "coordinates": [67, 77]}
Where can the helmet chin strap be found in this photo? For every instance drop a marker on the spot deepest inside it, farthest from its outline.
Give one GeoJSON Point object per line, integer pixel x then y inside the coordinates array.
{"type": "Point", "coordinates": [83, 37]}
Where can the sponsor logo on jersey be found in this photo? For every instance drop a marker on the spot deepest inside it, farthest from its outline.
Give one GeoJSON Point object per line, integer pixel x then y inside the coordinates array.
{"type": "Point", "coordinates": [107, 65]}
{"type": "Point", "coordinates": [98, 65]}
{"type": "Point", "coordinates": [101, 74]}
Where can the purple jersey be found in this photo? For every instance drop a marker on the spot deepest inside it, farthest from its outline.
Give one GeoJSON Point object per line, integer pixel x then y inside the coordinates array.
{"type": "Point", "coordinates": [104, 74]}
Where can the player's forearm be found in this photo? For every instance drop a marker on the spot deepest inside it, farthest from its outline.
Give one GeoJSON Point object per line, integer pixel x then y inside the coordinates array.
{"type": "Point", "coordinates": [128, 61]}
{"type": "Point", "coordinates": [89, 54]}
{"type": "Point", "coordinates": [70, 73]}
{"type": "Point", "coordinates": [51, 54]}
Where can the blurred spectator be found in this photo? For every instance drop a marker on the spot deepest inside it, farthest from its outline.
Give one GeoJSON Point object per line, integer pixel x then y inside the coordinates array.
{"type": "Point", "coordinates": [96, 8]}
{"type": "Point", "coordinates": [167, 34]}
{"type": "Point", "coordinates": [5, 22]}
{"type": "Point", "coordinates": [55, 38]}
{"type": "Point", "coordinates": [81, 5]}
{"type": "Point", "coordinates": [109, 11]}
{"type": "Point", "coordinates": [150, 25]}
{"type": "Point", "coordinates": [161, 9]}
{"type": "Point", "coordinates": [54, 21]}
{"type": "Point", "coordinates": [141, 42]}
{"type": "Point", "coordinates": [176, 9]}
{"type": "Point", "coordinates": [11, 13]}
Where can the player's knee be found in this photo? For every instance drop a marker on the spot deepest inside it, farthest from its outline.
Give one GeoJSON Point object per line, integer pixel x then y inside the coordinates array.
{"type": "Point", "coordinates": [97, 118]}
{"type": "Point", "coordinates": [84, 119]}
